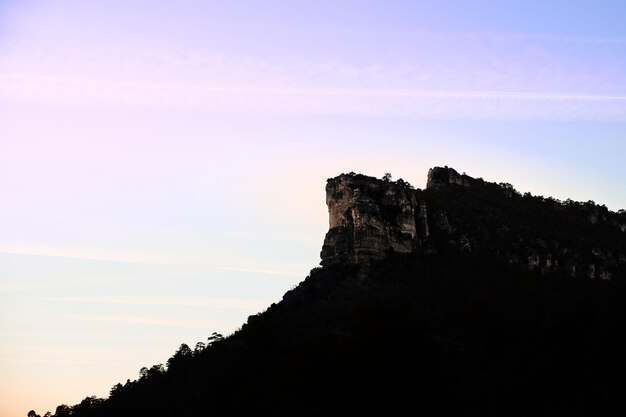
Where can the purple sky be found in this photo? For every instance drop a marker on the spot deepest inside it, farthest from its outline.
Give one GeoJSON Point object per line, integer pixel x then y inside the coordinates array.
{"type": "Point", "coordinates": [162, 168]}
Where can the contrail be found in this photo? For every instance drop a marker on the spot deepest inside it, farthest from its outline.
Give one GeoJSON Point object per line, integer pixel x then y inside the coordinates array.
{"type": "Point", "coordinates": [13, 82]}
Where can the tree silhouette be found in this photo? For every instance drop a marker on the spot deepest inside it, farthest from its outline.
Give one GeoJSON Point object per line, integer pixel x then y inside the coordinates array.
{"type": "Point", "coordinates": [215, 337]}
{"type": "Point", "coordinates": [182, 355]}
{"type": "Point", "coordinates": [63, 411]}
{"type": "Point", "coordinates": [200, 346]}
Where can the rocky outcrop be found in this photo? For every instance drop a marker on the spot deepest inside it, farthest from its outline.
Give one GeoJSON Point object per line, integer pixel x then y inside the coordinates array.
{"type": "Point", "coordinates": [369, 217]}
{"type": "Point", "coordinates": [441, 177]}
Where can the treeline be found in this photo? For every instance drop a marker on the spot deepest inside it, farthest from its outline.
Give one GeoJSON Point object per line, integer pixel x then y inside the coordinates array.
{"type": "Point", "coordinates": [120, 394]}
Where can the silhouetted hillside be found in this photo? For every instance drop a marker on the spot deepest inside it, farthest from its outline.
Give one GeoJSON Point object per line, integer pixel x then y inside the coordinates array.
{"type": "Point", "coordinates": [466, 298]}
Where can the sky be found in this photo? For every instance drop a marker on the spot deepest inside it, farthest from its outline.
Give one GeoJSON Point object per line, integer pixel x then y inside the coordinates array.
{"type": "Point", "coordinates": [162, 164]}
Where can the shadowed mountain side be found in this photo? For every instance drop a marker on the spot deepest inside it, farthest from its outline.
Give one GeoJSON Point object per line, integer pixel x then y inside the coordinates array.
{"type": "Point", "coordinates": [464, 298]}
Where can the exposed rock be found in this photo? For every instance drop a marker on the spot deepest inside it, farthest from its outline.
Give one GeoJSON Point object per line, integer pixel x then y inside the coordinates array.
{"type": "Point", "coordinates": [606, 275]}
{"type": "Point", "coordinates": [533, 262]}
{"type": "Point", "coordinates": [439, 177]}
{"type": "Point", "coordinates": [368, 217]}
{"type": "Point", "coordinates": [547, 261]}
{"type": "Point", "coordinates": [546, 264]}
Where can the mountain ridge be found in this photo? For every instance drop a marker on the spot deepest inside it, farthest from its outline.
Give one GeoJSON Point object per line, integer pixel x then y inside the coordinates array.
{"type": "Point", "coordinates": [370, 216]}
{"type": "Point", "coordinates": [465, 297]}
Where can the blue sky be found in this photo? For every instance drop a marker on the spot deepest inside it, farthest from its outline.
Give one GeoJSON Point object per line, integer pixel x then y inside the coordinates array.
{"type": "Point", "coordinates": [162, 166]}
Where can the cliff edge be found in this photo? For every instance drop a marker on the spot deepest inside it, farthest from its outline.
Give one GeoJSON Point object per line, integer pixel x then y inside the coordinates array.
{"type": "Point", "coordinates": [368, 217]}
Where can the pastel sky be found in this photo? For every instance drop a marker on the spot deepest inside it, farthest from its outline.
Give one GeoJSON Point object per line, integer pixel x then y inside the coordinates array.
{"type": "Point", "coordinates": [162, 164]}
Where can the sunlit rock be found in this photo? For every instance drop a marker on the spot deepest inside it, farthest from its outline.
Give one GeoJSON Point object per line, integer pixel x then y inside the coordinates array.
{"type": "Point", "coordinates": [368, 217]}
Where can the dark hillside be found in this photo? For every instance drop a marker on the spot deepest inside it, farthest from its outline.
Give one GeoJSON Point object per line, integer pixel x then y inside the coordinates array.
{"type": "Point", "coordinates": [505, 304]}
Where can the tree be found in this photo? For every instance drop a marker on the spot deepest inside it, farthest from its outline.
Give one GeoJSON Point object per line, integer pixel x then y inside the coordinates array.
{"type": "Point", "coordinates": [32, 413]}
{"type": "Point", "coordinates": [183, 353]}
{"type": "Point", "coordinates": [387, 176]}
{"type": "Point", "coordinates": [199, 347]}
{"type": "Point", "coordinates": [215, 337]}
{"type": "Point", "coordinates": [156, 370]}
{"type": "Point", "coordinates": [404, 184]}
{"type": "Point", "coordinates": [63, 411]}
{"type": "Point", "coordinates": [117, 388]}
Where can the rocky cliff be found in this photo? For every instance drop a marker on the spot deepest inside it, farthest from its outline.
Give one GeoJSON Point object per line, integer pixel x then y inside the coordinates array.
{"type": "Point", "coordinates": [441, 177]}
{"type": "Point", "coordinates": [368, 217]}
{"type": "Point", "coordinates": [371, 217]}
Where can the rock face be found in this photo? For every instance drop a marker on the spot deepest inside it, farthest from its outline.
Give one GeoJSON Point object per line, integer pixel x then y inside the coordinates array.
{"type": "Point", "coordinates": [441, 177]}
{"type": "Point", "coordinates": [368, 217]}
{"type": "Point", "coordinates": [371, 217]}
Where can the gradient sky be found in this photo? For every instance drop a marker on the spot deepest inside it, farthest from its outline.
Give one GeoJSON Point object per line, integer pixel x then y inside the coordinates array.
{"type": "Point", "coordinates": [162, 164]}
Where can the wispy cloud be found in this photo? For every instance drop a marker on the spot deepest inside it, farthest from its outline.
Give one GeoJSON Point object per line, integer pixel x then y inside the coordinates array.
{"type": "Point", "coordinates": [153, 321]}
{"type": "Point", "coordinates": [208, 302]}
{"type": "Point", "coordinates": [517, 36]}
{"type": "Point", "coordinates": [474, 76]}
{"type": "Point", "coordinates": [83, 253]}
{"type": "Point", "coordinates": [473, 104]}
{"type": "Point", "coordinates": [60, 361]}
{"type": "Point", "coordinates": [155, 89]}
{"type": "Point", "coordinates": [57, 353]}
{"type": "Point", "coordinates": [260, 270]}
{"type": "Point", "coordinates": [175, 265]}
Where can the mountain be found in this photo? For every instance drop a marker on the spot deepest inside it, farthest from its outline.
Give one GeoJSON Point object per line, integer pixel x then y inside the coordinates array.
{"type": "Point", "coordinates": [466, 298]}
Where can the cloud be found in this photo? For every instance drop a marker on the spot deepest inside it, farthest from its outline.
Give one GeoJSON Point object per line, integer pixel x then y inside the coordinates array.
{"type": "Point", "coordinates": [58, 353]}
{"type": "Point", "coordinates": [518, 36]}
{"type": "Point", "coordinates": [472, 104]}
{"type": "Point", "coordinates": [260, 270]}
{"type": "Point", "coordinates": [446, 76]}
{"type": "Point", "coordinates": [178, 265]}
{"type": "Point", "coordinates": [84, 253]}
{"type": "Point", "coordinates": [152, 321]}
{"type": "Point", "coordinates": [60, 361]}
{"type": "Point", "coordinates": [208, 302]}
